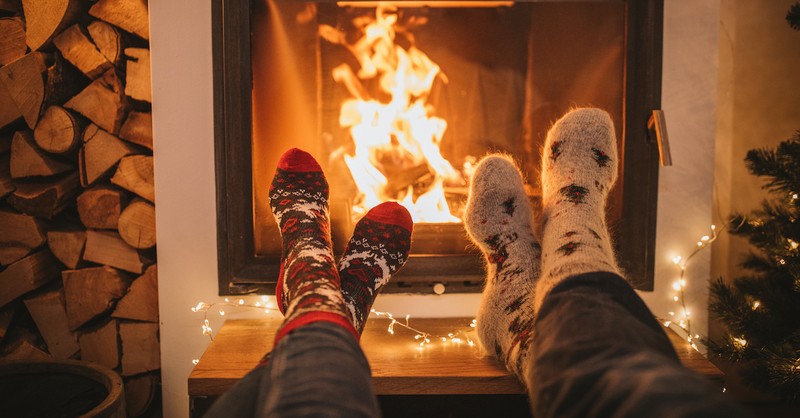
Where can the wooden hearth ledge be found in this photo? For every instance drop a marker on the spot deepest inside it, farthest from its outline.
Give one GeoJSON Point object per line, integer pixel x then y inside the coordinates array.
{"type": "Point", "coordinates": [399, 366]}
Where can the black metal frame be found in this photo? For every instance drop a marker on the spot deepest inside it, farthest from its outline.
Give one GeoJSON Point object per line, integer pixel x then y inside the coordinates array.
{"type": "Point", "coordinates": [241, 271]}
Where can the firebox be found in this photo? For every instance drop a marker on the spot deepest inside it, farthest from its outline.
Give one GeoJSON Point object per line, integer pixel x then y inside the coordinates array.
{"type": "Point", "coordinates": [399, 100]}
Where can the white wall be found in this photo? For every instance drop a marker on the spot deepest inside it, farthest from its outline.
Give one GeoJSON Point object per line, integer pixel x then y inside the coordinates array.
{"type": "Point", "coordinates": [185, 189]}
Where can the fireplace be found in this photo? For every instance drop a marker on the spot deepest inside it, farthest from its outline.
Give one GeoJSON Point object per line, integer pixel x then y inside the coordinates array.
{"type": "Point", "coordinates": [398, 100]}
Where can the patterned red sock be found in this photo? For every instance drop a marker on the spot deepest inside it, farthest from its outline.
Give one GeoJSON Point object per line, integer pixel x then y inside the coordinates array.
{"type": "Point", "coordinates": [309, 288]}
{"type": "Point", "coordinates": [378, 248]}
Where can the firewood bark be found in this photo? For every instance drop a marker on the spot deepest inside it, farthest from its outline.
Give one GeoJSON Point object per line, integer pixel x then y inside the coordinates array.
{"type": "Point", "coordinates": [11, 6]}
{"type": "Point", "coordinates": [140, 348]}
{"type": "Point", "coordinates": [21, 235]}
{"type": "Point", "coordinates": [49, 313]}
{"type": "Point", "coordinates": [58, 132]}
{"type": "Point", "coordinates": [45, 200]}
{"type": "Point", "coordinates": [27, 274]}
{"type": "Point", "coordinates": [141, 301]}
{"type": "Point", "coordinates": [6, 185]}
{"type": "Point", "coordinates": [24, 81]}
{"type": "Point", "coordinates": [45, 18]}
{"type": "Point", "coordinates": [67, 246]}
{"type": "Point", "coordinates": [100, 153]}
{"type": "Point", "coordinates": [108, 40]}
{"type": "Point", "coordinates": [137, 224]}
{"type": "Point", "coordinates": [101, 345]}
{"type": "Point", "coordinates": [28, 160]}
{"type": "Point", "coordinates": [103, 102]}
{"type": "Point", "coordinates": [6, 316]}
{"type": "Point", "coordinates": [91, 292]}
{"type": "Point", "coordinates": [100, 207]}
{"type": "Point", "coordinates": [135, 174]}
{"type": "Point", "coordinates": [108, 248]}
{"type": "Point", "coordinates": [138, 129]}
{"type": "Point", "coordinates": [139, 394]}
{"type": "Point", "coordinates": [78, 49]}
{"type": "Point", "coordinates": [12, 32]}
{"type": "Point", "coordinates": [137, 79]}
{"type": "Point", "coordinates": [130, 15]}
{"type": "Point", "coordinates": [24, 349]}
{"type": "Point", "coordinates": [8, 108]}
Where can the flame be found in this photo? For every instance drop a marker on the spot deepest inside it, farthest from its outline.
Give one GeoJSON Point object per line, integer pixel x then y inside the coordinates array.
{"type": "Point", "coordinates": [402, 131]}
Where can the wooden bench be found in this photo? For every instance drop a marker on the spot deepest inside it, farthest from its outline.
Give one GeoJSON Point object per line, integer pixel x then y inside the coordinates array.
{"type": "Point", "coordinates": [399, 365]}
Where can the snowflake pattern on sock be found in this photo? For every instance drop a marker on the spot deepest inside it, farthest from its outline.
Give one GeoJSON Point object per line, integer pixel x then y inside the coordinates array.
{"type": "Point", "coordinates": [378, 249]}
{"type": "Point", "coordinates": [498, 221]}
{"type": "Point", "coordinates": [578, 170]}
{"type": "Point", "coordinates": [308, 281]}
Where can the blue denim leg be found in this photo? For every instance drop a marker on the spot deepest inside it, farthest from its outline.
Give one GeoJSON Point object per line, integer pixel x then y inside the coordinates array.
{"type": "Point", "coordinates": [598, 351]}
{"type": "Point", "coordinates": [317, 370]}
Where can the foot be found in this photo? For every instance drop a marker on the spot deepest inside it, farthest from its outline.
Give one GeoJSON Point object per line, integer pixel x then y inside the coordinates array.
{"type": "Point", "coordinates": [498, 219]}
{"type": "Point", "coordinates": [379, 247]}
{"type": "Point", "coordinates": [579, 166]}
{"type": "Point", "coordinates": [308, 287]}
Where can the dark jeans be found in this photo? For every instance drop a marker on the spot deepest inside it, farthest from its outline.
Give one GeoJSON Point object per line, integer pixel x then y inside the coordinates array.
{"type": "Point", "coordinates": [597, 352]}
{"type": "Point", "coordinates": [317, 370]}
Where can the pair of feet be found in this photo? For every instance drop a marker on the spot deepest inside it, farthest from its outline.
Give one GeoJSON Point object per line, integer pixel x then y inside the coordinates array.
{"type": "Point", "coordinates": [579, 167]}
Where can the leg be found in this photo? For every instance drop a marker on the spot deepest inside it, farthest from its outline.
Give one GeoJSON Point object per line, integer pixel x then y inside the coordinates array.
{"type": "Point", "coordinates": [498, 220]}
{"type": "Point", "coordinates": [317, 367]}
{"type": "Point", "coordinates": [597, 350]}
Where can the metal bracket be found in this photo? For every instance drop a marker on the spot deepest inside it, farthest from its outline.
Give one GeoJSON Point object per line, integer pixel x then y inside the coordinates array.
{"type": "Point", "coordinates": [657, 126]}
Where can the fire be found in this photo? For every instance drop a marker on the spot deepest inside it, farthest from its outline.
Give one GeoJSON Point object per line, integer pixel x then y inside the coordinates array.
{"type": "Point", "coordinates": [396, 142]}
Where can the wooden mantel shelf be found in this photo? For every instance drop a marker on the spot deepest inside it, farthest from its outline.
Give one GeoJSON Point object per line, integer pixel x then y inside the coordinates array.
{"type": "Point", "coordinates": [399, 365]}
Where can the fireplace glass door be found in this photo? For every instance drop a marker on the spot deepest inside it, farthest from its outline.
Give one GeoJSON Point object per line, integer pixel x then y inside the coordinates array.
{"type": "Point", "coordinates": [398, 101]}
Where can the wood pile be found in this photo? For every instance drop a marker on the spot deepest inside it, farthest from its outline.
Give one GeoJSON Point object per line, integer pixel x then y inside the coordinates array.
{"type": "Point", "coordinates": [78, 276]}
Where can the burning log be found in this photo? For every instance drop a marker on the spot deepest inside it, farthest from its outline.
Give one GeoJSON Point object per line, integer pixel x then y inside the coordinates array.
{"type": "Point", "coordinates": [399, 180]}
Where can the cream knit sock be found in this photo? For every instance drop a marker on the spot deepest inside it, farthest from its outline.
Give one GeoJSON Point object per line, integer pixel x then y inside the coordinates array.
{"type": "Point", "coordinates": [498, 220]}
{"type": "Point", "coordinates": [579, 166]}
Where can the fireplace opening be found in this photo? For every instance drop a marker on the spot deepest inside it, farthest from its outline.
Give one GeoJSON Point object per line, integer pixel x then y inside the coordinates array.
{"type": "Point", "coordinates": [398, 100]}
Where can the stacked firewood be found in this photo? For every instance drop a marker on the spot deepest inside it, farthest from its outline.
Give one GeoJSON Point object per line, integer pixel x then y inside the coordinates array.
{"type": "Point", "coordinates": [78, 276]}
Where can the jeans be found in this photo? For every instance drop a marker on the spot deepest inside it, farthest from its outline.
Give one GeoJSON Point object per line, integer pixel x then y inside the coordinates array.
{"type": "Point", "coordinates": [597, 351]}
{"type": "Point", "coordinates": [317, 370]}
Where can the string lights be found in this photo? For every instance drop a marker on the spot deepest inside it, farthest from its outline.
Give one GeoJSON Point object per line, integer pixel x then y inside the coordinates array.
{"type": "Point", "coordinates": [422, 338]}
{"type": "Point", "coordinates": [682, 318]}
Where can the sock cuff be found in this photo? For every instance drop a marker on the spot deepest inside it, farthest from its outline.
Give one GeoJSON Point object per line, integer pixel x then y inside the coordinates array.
{"type": "Point", "coordinates": [391, 213]}
{"type": "Point", "coordinates": [316, 316]}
